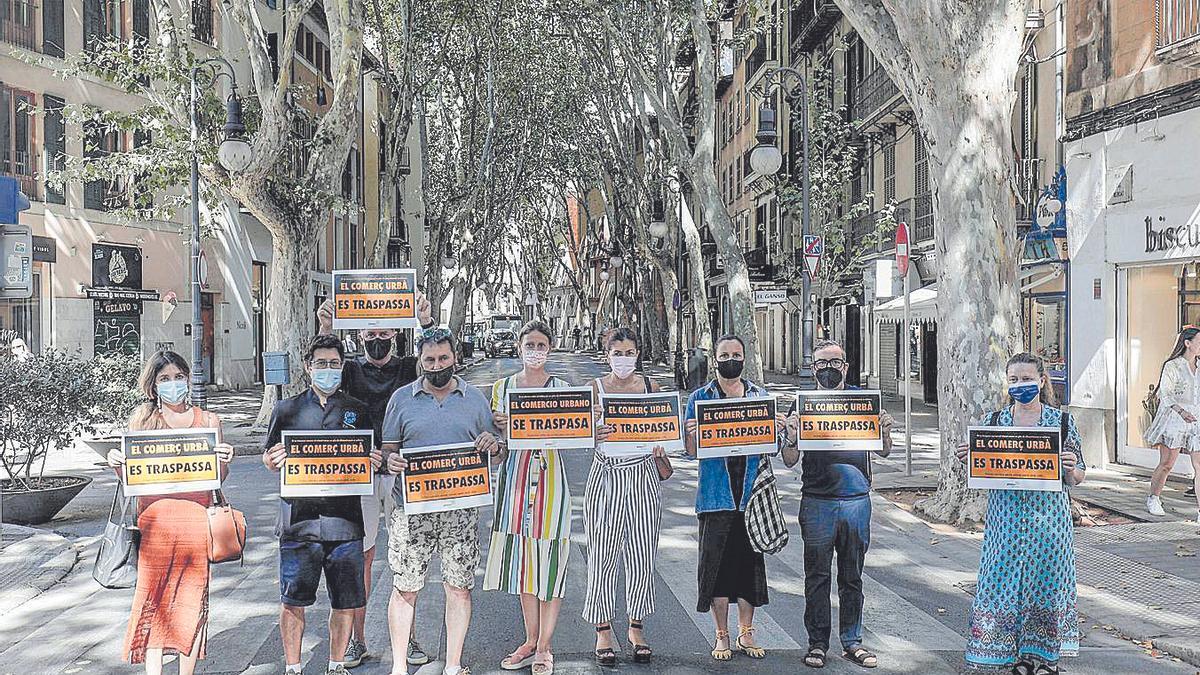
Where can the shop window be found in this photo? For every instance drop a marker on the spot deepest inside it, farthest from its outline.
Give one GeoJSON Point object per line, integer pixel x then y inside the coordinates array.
{"type": "Point", "coordinates": [22, 319]}
{"type": "Point", "coordinates": [1156, 297]}
{"type": "Point", "coordinates": [1189, 294]}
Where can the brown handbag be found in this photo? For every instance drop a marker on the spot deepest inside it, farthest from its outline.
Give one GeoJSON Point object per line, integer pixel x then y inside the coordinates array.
{"type": "Point", "coordinates": [226, 531]}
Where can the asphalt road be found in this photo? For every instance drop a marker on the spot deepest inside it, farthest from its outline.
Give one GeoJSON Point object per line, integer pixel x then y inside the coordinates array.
{"type": "Point", "coordinates": [915, 615]}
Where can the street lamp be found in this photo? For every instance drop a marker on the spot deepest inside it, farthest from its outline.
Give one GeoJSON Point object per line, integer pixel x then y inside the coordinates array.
{"type": "Point", "coordinates": [235, 155]}
{"type": "Point", "coordinates": [449, 262]}
{"type": "Point", "coordinates": [658, 224]}
{"type": "Point", "coordinates": [766, 160]}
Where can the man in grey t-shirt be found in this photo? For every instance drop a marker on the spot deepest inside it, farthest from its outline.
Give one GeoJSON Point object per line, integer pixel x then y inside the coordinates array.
{"type": "Point", "coordinates": [438, 409]}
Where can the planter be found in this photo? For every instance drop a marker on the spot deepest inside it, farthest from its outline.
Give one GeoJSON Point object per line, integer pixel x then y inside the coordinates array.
{"type": "Point", "coordinates": [34, 507]}
{"type": "Point", "coordinates": [102, 444]}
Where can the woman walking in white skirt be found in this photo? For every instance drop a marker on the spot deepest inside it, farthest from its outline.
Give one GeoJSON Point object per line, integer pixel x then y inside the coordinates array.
{"type": "Point", "coordinates": [1176, 425]}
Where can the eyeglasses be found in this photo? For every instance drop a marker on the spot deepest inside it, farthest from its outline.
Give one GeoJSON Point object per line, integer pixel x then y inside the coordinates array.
{"type": "Point", "coordinates": [829, 363]}
{"type": "Point", "coordinates": [435, 334]}
{"type": "Point", "coordinates": [322, 364]}
{"type": "Point", "coordinates": [731, 358]}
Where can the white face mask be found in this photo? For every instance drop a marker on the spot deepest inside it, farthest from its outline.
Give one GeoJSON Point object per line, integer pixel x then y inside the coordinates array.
{"type": "Point", "coordinates": [533, 358]}
{"type": "Point", "coordinates": [622, 366]}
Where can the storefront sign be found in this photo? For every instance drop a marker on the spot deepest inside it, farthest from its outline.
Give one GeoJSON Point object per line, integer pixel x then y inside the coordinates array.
{"type": "Point", "coordinates": [375, 299]}
{"type": "Point", "coordinates": [116, 266]}
{"type": "Point", "coordinates": [770, 296]}
{"type": "Point", "coordinates": [446, 478]}
{"type": "Point", "coordinates": [556, 418]}
{"type": "Point", "coordinates": [1014, 458]}
{"type": "Point", "coordinates": [732, 427]}
{"type": "Point", "coordinates": [164, 462]}
{"type": "Point", "coordinates": [45, 249]}
{"type": "Point", "coordinates": [327, 464]}
{"type": "Point", "coordinates": [641, 422]}
{"type": "Point", "coordinates": [116, 326]}
{"type": "Point", "coordinates": [839, 420]}
{"type": "Point", "coordinates": [1162, 237]}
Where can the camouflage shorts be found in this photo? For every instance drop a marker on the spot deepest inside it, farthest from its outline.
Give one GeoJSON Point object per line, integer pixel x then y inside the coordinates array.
{"type": "Point", "coordinates": [413, 539]}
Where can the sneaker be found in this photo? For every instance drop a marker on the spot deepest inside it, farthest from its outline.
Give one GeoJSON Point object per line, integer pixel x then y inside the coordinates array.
{"type": "Point", "coordinates": [1190, 492]}
{"type": "Point", "coordinates": [339, 669]}
{"type": "Point", "coordinates": [416, 655]}
{"type": "Point", "coordinates": [356, 653]}
{"type": "Point", "coordinates": [1154, 505]}
{"type": "Point", "coordinates": [462, 670]}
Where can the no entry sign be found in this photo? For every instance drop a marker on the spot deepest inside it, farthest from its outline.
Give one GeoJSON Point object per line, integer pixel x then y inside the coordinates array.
{"type": "Point", "coordinates": [902, 258]}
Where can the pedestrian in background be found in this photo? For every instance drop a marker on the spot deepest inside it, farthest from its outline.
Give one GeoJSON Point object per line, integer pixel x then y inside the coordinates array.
{"type": "Point", "coordinates": [531, 530]}
{"type": "Point", "coordinates": [835, 519]}
{"type": "Point", "coordinates": [1175, 429]}
{"type": "Point", "coordinates": [622, 511]}
{"type": "Point", "coordinates": [1024, 615]}
{"type": "Point", "coordinates": [372, 378]}
{"type": "Point", "coordinates": [170, 600]}
{"type": "Point", "coordinates": [730, 570]}
{"type": "Point", "coordinates": [440, 408]}
{"type": "Point", "coordinates": [319, 533]}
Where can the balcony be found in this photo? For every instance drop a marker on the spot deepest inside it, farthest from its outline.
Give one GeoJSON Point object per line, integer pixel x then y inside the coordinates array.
{"type": "Point", "coordinates": [922, 218]}
{"type": "Point", "coordinates": [18, 23]}
{"type": "Point", "coordinates": [811, 22]}
{"type": "Point", "coordinates": [872, 96]}
{"type": "Point", "coordinates": [1177, 32]}
{"type": "Point", "coordinates": [202, 22]}
{"type": "Point", "coordinates": [760, 59]}
{"type": "Point", "coordinates": [20, 165]}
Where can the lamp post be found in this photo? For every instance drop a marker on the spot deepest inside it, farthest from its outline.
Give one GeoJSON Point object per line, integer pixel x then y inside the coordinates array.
{"type": "Point", "coordinates": [235, 155]}
{"type": "Point", "coordinates": [765, 160]}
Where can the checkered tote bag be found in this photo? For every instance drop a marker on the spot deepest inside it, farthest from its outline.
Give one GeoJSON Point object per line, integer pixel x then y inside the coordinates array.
{"type": "Point", "coordinates": [764, 517]}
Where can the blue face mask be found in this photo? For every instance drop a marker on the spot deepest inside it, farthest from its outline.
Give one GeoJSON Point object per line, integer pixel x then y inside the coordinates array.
{"type": "Point", "coordinates": [327, 379]}
{"type": "Point", "coordinates": [1025, 393]}
{"type": "Point", "coordinates": [173, 391]}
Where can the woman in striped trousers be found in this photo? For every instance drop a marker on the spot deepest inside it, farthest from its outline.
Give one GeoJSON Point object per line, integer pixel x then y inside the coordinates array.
{"type": "Point", "coordinates": [622, 513]}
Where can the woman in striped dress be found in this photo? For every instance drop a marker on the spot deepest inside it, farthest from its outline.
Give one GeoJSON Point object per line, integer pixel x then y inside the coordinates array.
{"type": "Point", "coordinates": [531, 529]}
{"type": "Point", "coordinates": [1025, 617]}
{"type": "Point", "coordinates": [621, 513]}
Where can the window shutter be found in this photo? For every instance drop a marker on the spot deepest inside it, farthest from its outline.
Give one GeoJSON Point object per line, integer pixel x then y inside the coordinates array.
{"type": "Point", "coordinates": [52, 28]}
{"type": "Point", "coordinates": [141, 20]}
{"type": "Point", "coordinates": [54, 132]}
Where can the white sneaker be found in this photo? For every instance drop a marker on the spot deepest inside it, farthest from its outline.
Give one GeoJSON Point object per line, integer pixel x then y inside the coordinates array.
{"type": "Point", "coordinates": [1154, 505]}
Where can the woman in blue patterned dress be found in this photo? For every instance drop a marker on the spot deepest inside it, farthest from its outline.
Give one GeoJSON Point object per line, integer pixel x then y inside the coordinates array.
{"type": "Point", "coordinates": [1024, 616]}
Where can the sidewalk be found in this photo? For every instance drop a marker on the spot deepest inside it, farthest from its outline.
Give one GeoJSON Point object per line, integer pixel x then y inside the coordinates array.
{"type": "Point", "coordinates": [31, 561]}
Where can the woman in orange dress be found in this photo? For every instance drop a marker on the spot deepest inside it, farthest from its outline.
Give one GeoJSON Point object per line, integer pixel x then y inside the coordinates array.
{"type": "Point", "coordinates": [170, 602]}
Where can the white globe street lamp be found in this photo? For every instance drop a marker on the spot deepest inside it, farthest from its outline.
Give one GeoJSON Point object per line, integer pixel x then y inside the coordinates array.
{"type": "Point", "coordinates": [234, 152]}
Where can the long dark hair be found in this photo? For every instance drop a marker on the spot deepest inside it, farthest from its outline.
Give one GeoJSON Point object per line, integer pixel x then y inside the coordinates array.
{"type": "Point", "coordinates": [154, 365]}
{"type": "Point", "coordinates": [1047, 391]}
{"type": "Point", "coordinates": [622, 333]}
{"type": "Point", "coordinates": [1185, 334]}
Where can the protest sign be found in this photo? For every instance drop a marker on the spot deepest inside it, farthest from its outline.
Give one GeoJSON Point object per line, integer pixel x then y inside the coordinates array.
{"type": "Point", "coordinates": [843, 419]}
{"type": "Point", "coordinates": [1014, 458]}
{"type": "Point", "coordinates": [557, 418]}
{"type": "Point", "coordinates": [446, 478]}
{"type": "Point", "coordinates": [375, 299]}
{"type": "Point", "coordinates": [731, 427]}
{"type": "Point", "coordinates": [642, 421]}
{"type": "Point", "coordinates": [170, 461]}
{"type": "Point", "coordinates": [327, 464]}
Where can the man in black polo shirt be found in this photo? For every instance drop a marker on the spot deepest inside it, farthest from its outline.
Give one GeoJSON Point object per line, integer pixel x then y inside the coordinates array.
{"type": "Point", "coordinates": [373, 378]}
{"type": "Point", "coordinates": [319, 533]}
{"type": "Point", "coordinates": [835, 518]}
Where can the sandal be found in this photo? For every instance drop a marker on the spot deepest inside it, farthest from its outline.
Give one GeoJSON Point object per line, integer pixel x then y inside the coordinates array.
{"type": "Point", "coordinates": [861, 657]}
{"type": "Point", "coordinates": [815, 658]}
{"type": "Point", "coordinates": [749, 650]}
{"type": "Point", "coordinates": [543, 664]}
{"type": "Point", "coordinates": [722, 654]}
{"type": "Point", "coordinates": [1044, 669]}
{"type": "Point", "coordinates": [606, 656]}
{"type": "Point", "coordinates": [642, 653]}
{"type": "Point", "coordinates": [1022, 668]}
{"type": "Point", "coordinates": [519, 659]}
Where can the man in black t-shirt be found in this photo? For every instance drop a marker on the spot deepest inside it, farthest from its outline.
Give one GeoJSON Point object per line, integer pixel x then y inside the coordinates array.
{"type": "Point", "coordinates": [373, 378]}
{"type": "Point", "coordinates": [319, 533]}
{"type": "Point", "coordinates": [835, 518]}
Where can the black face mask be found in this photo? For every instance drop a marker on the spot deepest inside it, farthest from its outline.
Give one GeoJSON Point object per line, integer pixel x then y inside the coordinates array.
{"type": "Point", "coordinates": [829, 378]}
{"type": "Point", "coordinates": [731, 369]}
{"type": "Point", "coordinates": [439, 378]}
{"type": "Point", "coordinates": [379, 348]}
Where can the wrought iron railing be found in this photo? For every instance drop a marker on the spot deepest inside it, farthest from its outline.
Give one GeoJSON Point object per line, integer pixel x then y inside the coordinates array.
{"type": "Point", "coordinates": [18, 23]}
{"type": "Point", "coordinates": [1176, 22]}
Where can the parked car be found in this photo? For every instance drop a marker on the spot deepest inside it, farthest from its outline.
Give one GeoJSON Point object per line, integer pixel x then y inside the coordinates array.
{"type": "Point", "coordinates": [501, 342]}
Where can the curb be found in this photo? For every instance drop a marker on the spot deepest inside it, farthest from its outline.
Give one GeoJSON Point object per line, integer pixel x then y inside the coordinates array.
{"type": "Point", "coordinates": [46, 575]}
{"type": "Point", "coordinates": [1183, 647]}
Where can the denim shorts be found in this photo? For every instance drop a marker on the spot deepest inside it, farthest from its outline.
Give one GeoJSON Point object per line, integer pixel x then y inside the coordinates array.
{"type": "Point", "coordinates": [300, 566]}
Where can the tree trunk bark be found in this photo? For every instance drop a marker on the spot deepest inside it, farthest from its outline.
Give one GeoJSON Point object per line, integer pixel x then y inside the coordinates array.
{"type": "Point", "coordinates": [699, 289]}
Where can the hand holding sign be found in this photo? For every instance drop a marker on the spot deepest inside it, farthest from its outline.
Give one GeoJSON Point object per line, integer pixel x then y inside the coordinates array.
{"type": "Point", "coordinates": [328, 464]}
{"type": "Point", "coordinates": [169, 461]}
{"type": "Point", "coordinates": [446, 477]}
{"type": "Point", "coordinates": [375, 299]}
{"type": "Point", "coordinates": [1015, 458]}
{"type": "Point", "coordinates": [733, 427]}
{"type": "Point", "coordinates": [557, 418]}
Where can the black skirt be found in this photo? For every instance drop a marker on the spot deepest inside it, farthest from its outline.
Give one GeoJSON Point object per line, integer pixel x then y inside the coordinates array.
{"type": "Point", "coordinates": [729, 567]}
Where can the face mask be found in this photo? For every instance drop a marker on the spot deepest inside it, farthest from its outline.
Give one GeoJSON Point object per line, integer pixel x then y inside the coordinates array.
{"type": "Point", "coordinates": [1024, 393]}
{"type": "Point", "coordinates": [829, 378]}
{"type": "Point", "coordinates": [439, 378]}
{"type": "Point", "coordinates": [327, 379]}
{"type": "Point", "coordinates": [623, 366]}
{"type": "Point", "coordinates": [174, 391]}
{"type": "Point", "coordinates": [731, 369]}
{"type": "Point", "coordinates": [533, 358]}
{"type": "Point", "coordinates": [379, 348]}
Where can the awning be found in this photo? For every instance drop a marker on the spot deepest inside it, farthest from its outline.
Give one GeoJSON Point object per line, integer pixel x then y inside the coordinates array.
{"type": "Point", "coordinates": [922, 307]}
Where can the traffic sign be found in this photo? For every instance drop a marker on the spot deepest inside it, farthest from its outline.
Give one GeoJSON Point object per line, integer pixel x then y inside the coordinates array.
{"type": "Point", "coordinates": [902, 257]}
{"type": "Point", "coordinates": [814, 249]}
